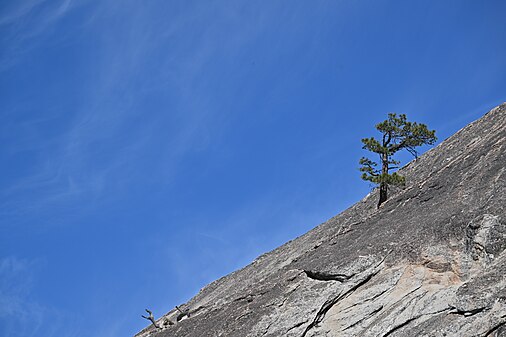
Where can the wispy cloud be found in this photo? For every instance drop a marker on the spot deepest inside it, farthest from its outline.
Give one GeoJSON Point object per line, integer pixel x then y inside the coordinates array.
{"type": "Point", "coordinates": [105, 145]}
{"type": "Point", "coordinates": [20, 316]}
{"type": "Point", "coordinates": [17, 9]}
{"type": "Point", "coordinates": [23, 24]}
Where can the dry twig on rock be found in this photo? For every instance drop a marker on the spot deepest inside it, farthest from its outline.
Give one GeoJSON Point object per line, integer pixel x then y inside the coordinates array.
{"type": "Point", "coordinates": [151, 318]}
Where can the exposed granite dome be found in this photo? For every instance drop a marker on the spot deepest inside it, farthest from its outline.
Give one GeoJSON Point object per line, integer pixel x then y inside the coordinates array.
{"type": "Point", "coordinates": [430, 262]}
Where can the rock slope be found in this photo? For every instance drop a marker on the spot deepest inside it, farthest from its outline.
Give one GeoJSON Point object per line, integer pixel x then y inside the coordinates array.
{"type": "Point", "coordinates": [430, 262]}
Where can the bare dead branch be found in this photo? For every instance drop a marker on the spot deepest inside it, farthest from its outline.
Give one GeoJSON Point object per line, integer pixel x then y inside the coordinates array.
{"type": "Point", "coordinates": [182, 313]}
{"type": "Point", "coordinates": [151, 318]}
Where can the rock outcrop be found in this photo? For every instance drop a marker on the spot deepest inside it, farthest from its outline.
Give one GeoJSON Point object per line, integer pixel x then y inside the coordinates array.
{"type": "Point", "coordinates": [430, 262]}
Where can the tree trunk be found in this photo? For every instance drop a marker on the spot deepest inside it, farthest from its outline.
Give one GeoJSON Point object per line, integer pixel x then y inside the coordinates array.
{"type": "Point", "coordinates": [383, 193]}
{"type": "Point", "coordinates": [383, 184]}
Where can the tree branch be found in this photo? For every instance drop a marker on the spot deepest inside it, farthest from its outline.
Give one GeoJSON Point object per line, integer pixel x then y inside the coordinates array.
{"type": "Point", "coordinates": [368, 166]}
{"type": "Point", "coordinates": [412, 150]}
{"type": "Point", "coordinates": [182, 313]}
{"type": "Point", "coordinates": [151, 318]}
{"type": "Point", "coordinates": [389, 138]}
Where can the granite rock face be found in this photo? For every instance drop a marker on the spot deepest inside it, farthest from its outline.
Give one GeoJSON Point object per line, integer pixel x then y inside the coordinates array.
{"type": "Point", "coordinates": [430, 262]}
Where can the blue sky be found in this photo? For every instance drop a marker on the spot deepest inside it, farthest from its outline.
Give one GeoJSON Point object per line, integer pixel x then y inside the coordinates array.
{"type": "Point", "coordinates": [150, 147]}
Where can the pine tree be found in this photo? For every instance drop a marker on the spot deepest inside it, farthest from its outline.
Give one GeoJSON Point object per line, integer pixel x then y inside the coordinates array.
{"type": "Point", "coordinates": [397, 134]}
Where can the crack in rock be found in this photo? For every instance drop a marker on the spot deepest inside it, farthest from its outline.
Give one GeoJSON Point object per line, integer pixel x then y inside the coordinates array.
{"type": "Point", "coordinates": [329, 303]}
{"type": "Point", "coordinates": [468, 313]}
{"type": "Point", "coordinates": [322, 276]}
{"type": "Point", "coordinates": [295, 326]}
{"type": "Point", "coordinates": [402, 325]}
{"type": "Point", "coordinates": [372, 313]}
{"type": "Point", "coordinates": [267, 329]}
{"type": "Point", "coordinates": [494, 329]}
{"type": "Point", "coordinates": [332, 301]}
{"type": "Point", "coordinates": [367, 299]}
{"type": "Point", "coordinates": [250, 297]}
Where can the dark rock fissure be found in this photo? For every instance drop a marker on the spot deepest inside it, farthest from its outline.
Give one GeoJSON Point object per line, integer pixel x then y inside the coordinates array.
{"type": "Point", "coordinates": [468, 313]}
{"type": "Point", "coordinates": [243, 315]}
{"type": "Point", "coordinates": [380, 294]}
{"type": "Point", "coordinates": [364, 318]}
{"type": "Point", "coordinates": [332, 301]}
{"type": "Point", "coordinates": [250, 297]}
{"type": "Point", "coordinates": [400, 326]}
{"type": "Point", "coordinates": [266, 329]}
{"type": "Point", "coordinates": [368, 299]}
{"type": "Point", "coordinates": [497, 328]}
{"type": "Point", "coordinates": [410, 293]}
{"type": "Point", "coordinates": [296, 326]}
{"type": "Point", "coordinates": [321, 276]}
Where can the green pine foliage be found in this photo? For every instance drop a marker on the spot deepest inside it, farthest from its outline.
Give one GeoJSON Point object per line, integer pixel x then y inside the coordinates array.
{"type": "Point", "coordinates": [396, 134]}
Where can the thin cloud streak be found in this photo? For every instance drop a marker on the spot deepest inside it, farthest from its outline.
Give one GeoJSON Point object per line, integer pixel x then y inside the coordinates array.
{"type": "Point", "coordinates": [20, 9]}
{"type": "Point", "coordinates": [24, 26]}
{"type": "Point", "coordinates": [66, 174]}
{"type": "Point", "coordinates": [20, 316]}
{"type": "Point", "coordinates": [111, 111]}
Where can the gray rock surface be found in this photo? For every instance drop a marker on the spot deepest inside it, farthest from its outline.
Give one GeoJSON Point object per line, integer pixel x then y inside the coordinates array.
{"type": "Point", "coordinates": [430, 262]}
